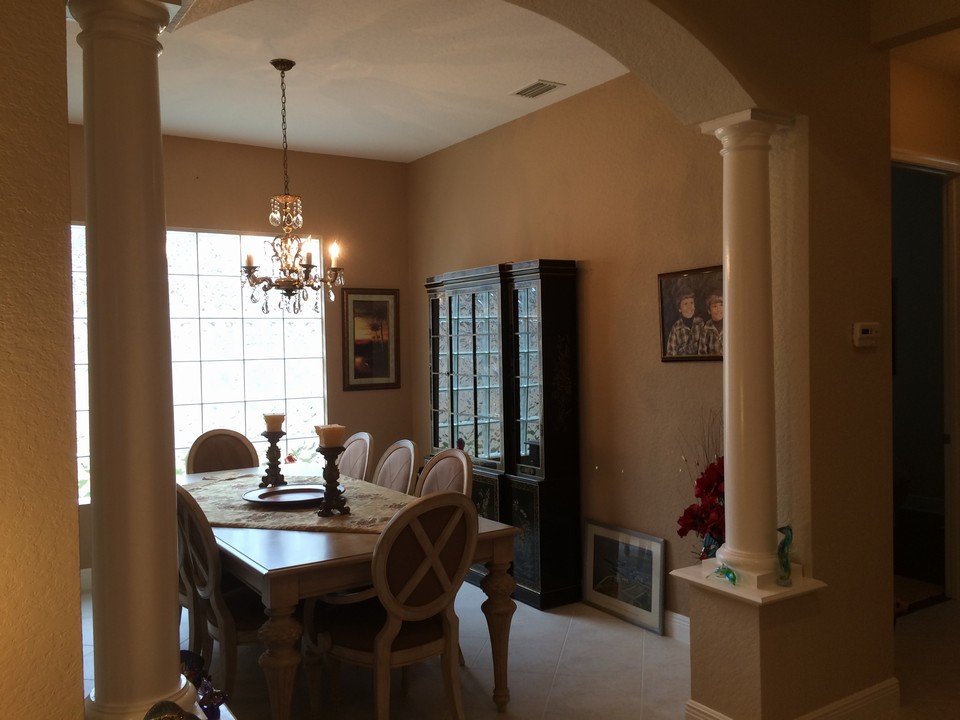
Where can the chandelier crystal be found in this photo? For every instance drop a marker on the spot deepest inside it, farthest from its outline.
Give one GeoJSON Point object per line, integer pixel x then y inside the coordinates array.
{"type": "Point", "coordinates": [294, 273]}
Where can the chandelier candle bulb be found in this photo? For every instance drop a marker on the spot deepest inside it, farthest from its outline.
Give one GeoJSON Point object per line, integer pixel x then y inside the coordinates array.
{"type": "Point", "coordinates": [309, 260]}
{"type": "Point", "coordinates": [274, 422]}
{"type": "Point", "coordinates": [250, 262]}
{"type": "Point", "coordinates": [331, 436]}
{"type": "Point", "coordinates": [334, 254]}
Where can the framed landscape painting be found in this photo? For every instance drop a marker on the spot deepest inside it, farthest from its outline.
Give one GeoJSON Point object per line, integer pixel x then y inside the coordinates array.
{"type": "Point", "coordinates": [371, 339]}
{"type": "Point", "coordinates": [623, 574]}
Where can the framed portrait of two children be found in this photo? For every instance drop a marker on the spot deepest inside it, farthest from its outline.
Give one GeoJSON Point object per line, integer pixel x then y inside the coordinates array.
{"type": "Point", "coordinates": [691, 314]}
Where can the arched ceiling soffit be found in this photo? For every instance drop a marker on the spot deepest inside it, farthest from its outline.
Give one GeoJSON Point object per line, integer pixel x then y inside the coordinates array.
{"type": "Point", "coordinates": [193, 10]}
{"type": "Point", "coordinates": [689, 79]}
{"type": "Point", "coordinates": [657, 49]}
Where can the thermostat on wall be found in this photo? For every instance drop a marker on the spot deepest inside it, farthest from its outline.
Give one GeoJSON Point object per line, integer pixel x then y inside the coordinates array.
{"type": "Point", "coordinates": [866, 334]}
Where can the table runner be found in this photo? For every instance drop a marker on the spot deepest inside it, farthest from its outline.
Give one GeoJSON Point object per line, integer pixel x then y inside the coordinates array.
{"type": "Point", "coordinates": [220, 495]}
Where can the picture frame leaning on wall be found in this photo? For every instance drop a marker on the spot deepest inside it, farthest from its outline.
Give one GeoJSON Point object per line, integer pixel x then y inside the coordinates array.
{"type": "Point", "coordinates": [624, 574]}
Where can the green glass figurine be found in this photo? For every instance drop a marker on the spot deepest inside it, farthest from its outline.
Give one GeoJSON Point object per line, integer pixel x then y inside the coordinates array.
{"type": "Point", "coordinates": [783, 556]}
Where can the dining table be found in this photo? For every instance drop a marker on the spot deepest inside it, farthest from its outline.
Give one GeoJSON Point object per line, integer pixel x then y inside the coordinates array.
{"type": "Point", "coordinates": [274, 540]}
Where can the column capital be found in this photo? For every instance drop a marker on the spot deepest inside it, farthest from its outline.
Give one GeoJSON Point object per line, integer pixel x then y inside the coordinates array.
{"type": "Point", "coordinates": [752, 122]}
{"type": "Point", "coordinates": [134, 19]}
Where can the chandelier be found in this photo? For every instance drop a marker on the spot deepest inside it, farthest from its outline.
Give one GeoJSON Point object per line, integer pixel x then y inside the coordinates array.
{"type": "Point", "coordinates": [293, 273]}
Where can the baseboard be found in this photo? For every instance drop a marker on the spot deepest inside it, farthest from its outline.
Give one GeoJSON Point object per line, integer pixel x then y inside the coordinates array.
{"type": "Point", "coordinates": [880, 702]}
{"type": "Point", "coordinates": [874, 703]}
{"type": "Point", "coordinates": [696, 711]}
{"type": "Point", "coordinates": [676, 626]}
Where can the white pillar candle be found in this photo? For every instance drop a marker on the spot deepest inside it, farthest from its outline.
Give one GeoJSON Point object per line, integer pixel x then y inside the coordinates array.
{"type": "Point", "coordinates": [331, 435]}
{"type": "Point", "coordinates": [274, 422]}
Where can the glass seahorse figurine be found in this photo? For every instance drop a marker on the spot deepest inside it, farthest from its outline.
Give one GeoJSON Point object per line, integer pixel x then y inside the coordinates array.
{"type": "Point", "coordinates": [783, 556]}
{"type": "Point", "coordinates": [726, 572]}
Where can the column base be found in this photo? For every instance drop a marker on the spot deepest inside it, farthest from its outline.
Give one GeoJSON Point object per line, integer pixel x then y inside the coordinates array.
{"type": "Point", "coordinates": [758, 589]}
{"type": "Point", "coordinates": [755, 570]}
{"type": "Point", "coordinates": [752, 575]}
{"type": "Point", "coordinates": [185, 697]}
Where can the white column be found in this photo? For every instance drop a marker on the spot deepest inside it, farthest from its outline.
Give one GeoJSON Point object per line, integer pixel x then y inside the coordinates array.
{"type": "Point", "coordinates": [133, 501]}
{"type": "Point", "coordinates": [750, 480]}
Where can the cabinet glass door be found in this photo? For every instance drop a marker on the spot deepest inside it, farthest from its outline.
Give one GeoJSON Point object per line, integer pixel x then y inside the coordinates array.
{"type": "Point", "coordinates": [528, 381]}
{"type": "Point", "coordinates": [440, 371]}
{"type": "Point", "coordinates": [466, 373]}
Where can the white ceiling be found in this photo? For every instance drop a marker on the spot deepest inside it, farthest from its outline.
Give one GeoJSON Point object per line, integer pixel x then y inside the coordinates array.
{"type": "Point", "coordinates": [380, 79]}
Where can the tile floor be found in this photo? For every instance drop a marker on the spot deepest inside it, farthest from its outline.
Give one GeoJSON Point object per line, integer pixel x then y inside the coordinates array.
{"type": "Point", "coordinates": [576, 662]}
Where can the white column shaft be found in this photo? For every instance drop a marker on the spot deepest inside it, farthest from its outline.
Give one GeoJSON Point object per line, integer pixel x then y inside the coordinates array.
{"type": "Point", "coordinates": [750, 480]}
{"type": "Point", "coordinates": [133, 501]}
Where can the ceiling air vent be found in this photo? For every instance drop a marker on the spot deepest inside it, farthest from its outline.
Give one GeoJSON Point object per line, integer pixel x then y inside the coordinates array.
{"type": "Point", "coordinates": [538, 88]}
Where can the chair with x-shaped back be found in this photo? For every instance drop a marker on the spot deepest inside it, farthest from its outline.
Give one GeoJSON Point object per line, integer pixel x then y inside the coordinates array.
{"type": "Point", "coordinates": [225, 611]}
{"type": "Point", "coordinates": [419, 564]}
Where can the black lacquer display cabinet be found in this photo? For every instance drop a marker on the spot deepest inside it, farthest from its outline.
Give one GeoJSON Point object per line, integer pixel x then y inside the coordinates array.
{"type": "Point", "coordinates": [504, 382]}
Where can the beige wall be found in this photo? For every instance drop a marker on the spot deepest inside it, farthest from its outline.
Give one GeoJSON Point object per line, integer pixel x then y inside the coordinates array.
{"type": "Point", "coordinates": [925, 113]}
{"type": "Point", "coordinates": [227, 187]}
{"type": "Point", "coordinates": [41, 662]}
{"type": "Point", "coordinates": [611, 180]}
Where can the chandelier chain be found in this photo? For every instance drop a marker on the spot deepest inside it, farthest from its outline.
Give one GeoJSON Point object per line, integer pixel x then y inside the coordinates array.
{"type": "Point", "coordinates": [283, 125]}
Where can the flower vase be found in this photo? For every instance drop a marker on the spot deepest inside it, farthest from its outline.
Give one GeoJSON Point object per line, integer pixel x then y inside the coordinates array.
{"type": "Point", "coordinates": [710, 547]}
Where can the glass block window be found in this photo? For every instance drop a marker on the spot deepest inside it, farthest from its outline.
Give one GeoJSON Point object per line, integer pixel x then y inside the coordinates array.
{"type": "Point", "coordinates": [230, 362]}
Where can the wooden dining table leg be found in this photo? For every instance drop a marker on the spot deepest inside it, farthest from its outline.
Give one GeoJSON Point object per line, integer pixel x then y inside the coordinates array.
{"type": "Point", "coordinates": [498, 609]}
{"type": "Point", "coordinates": [281, 634]}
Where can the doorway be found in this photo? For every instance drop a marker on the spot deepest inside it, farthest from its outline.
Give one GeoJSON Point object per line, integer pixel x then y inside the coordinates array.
{"type": "Point", "coordinates": [919, 387]}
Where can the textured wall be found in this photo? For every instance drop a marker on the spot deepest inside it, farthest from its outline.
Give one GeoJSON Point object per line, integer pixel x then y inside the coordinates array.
{"type": "Point", "coordinates": [41, 664]}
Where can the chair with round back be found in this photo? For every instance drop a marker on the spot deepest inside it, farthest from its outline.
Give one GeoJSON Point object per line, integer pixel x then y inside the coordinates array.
{"type": "Point", "coordinates": [419, 564]}
{"type": "Point", "coordinates": [189, 600]}
{"type": "Point", "coordinates": [355, 459]}
{"type": "Point", "coordinates": [397, 467]}
{"type": "Point", "coordinates": [232, 615]}
{"type": "Point", "coordinates": [448, 471]}
{"type": "Point", "coordinates": [221, 449]}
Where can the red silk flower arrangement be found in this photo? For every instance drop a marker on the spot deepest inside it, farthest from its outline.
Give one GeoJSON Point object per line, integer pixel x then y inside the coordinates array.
{"type": "Point", "coordinates": [705, 517]}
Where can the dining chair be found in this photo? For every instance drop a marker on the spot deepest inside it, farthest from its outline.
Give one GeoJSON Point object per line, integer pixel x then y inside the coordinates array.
{"type": "Point", "coordinates": [229, 613]}
{"type": "Point", "coordinates": [189, 600]}
{"type": "Point", "coordinates": [355, 459]}
{"type": "Point", "coordinates": [397, 466]}
{"type": "Point", "coordinates": [419, 563]}
{"type": "Point", "coordinates": [221, 449]}
{"type": "Point", "coordinates": [217, 449]}
{"type": "Point", "coordinates": [448, 471]}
